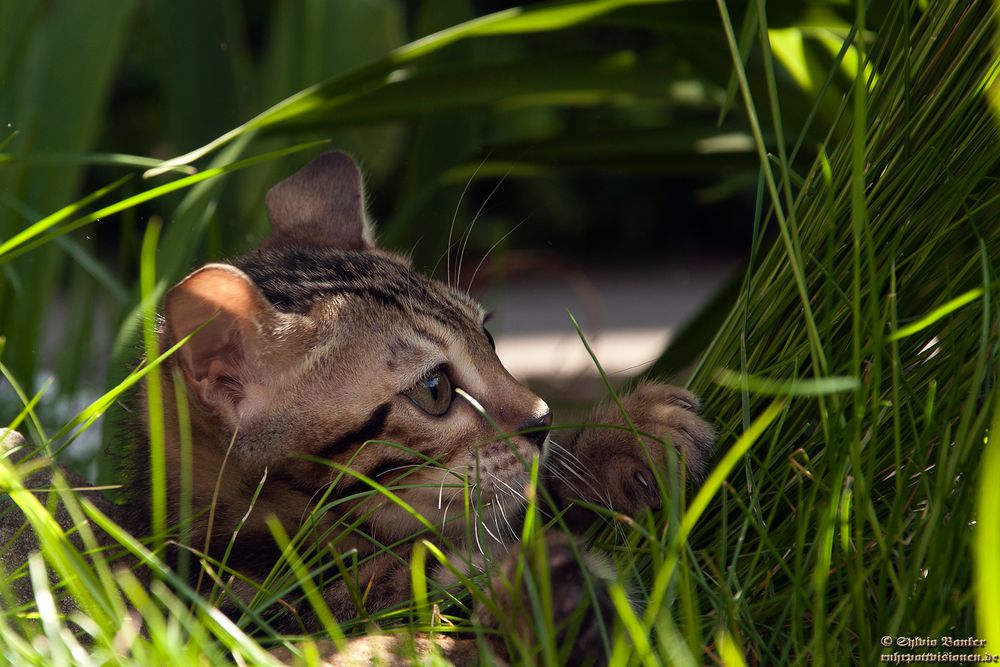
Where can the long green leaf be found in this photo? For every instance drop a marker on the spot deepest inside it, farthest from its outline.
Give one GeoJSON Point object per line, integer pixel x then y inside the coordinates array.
{"type": "Point", "coordinates": [542, 18]}
{"type": "Point", "coordinates": [987, 544]}
{"type": "Point", "coordinates": [32, 237]}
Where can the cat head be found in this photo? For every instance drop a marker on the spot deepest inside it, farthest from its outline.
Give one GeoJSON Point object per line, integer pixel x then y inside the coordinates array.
{"type": "Point", "coordinates": [320, 351]}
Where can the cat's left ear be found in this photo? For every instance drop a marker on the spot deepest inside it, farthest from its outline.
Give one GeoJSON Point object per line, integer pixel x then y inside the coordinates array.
{"type": "Point", "coordinates": [240, 342]}
{"type": "Point", "coordinates": [320, 205]}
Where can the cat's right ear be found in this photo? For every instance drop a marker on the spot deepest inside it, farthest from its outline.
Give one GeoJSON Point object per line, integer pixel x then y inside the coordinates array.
{"type": "Point", "coordinates": [223, 363]}
{"type": "Point", "coordinates": [320, 205]}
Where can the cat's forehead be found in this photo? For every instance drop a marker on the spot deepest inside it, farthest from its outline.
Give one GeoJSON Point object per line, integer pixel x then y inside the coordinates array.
{"type": "Point", "coordinates": [295, 280]}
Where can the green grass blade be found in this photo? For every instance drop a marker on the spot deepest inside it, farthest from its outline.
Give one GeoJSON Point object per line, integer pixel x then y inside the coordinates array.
{"type": "Point", "coordinates": [771, 387]}
{"type": "Point", "coordinates": [330, 626]}
{"type": "Point", "coordinates": [49, 221]}
{"type": "Point", "coordinates": [154, 384]}
{"type": "Point", "coordinates": [701, 501]}
{"type": "Point", "coordinates": [542, 18]}
{"type": "Point", "coordinates": [91, 413]}
{"type": "Point", "coordinates": [987, 544]}
{"type": "Point", "coordinates": [102, 159]}
{"type": "Point", "coordinates": [33, 237]}
{"type": "Point", "coordinates": [938, 313]}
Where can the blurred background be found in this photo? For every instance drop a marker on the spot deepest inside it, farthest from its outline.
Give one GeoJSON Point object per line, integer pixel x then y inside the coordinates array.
{"type": "Point", "coordinates": [590, 157]}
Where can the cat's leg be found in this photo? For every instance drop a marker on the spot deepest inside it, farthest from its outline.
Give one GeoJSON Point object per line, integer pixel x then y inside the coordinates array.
{"type": "Point", "coordinates": [17, 539]}
{"type": "Point", "coordinates": [379, 583]}
{"type": "Point", "coordinates": [577, 606]}
{"type": "Point", "coordinates": [607, 465]}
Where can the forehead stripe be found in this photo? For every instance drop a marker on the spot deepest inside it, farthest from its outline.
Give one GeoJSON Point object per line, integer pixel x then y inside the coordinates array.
{"type": "Point", "coordinates": [295, 279]}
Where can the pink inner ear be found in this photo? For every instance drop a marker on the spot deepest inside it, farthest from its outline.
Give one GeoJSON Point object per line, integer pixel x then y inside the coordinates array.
{"type": "Point", "coordinates": [220, 357]}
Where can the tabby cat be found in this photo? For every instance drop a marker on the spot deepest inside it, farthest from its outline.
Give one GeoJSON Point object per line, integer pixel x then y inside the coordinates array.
{"type": "Point", "coordinates": [320, 364]}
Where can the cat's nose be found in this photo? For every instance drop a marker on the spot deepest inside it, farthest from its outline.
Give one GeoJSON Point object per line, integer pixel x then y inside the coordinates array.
{"type": "Point", "coordinates": [536, 429]}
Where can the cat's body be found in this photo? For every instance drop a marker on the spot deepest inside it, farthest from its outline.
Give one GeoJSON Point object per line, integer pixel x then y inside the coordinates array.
{"type": "Point", "coordinates": [320, 364]}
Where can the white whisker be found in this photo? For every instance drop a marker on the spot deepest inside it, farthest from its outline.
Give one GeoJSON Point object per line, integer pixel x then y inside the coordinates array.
{"type": "Point", "coordinates": [588, 481]}
{"type": "Point", "coordinates": [468, 231]}
{"type": "Point", "coordinates": [519, 496]}
{"type": "Point", "coordinates": [572, 464]}
{"type": "Point", "coordinates": [570, 461]}
{"type": "Point", "coordinates": [429, 466]}
{"type": "Point", "coordinates": [513, 533]}
{"type": "Point", "coordinates": [496, 520]}
{"type": "Point", "coordinates": [444, 520]}
{"type": "Point", "coordinates": [472, 280]}
{"type": "Point", "coordinates": [441, 490]}
{"type": "Point", "coordinates": [512, 490]}
{"type": "Point", "coordinates": [308, 509]}
{"type": "Point", "coordinates": [475, 530]}
{"type": "Point", "coordinates": [487, 529]}
{"type": "Point", "coordinates": [454, 218]}
{"type": "Point", "coordinates": [569, 457]}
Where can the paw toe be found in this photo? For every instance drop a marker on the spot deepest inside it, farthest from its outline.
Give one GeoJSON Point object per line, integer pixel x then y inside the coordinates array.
{"type": "Point", "coordinates": [650, 393]}
{"type": "Point", "coordinates": [636, 485]}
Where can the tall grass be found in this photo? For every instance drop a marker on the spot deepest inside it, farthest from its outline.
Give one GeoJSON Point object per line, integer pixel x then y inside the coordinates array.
{"type": "Point", "coordinates": [855, 519]}
{"type": "Point", "coordinates": [529, 100]}
{"type": "Point", "coordinates": [853, 381]}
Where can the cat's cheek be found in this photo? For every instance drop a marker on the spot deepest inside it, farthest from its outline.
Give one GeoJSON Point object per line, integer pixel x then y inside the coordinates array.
{"type": "Point", "coordinates": [236, 405]}
{"type": "Point", "coordinates": [255, 402]}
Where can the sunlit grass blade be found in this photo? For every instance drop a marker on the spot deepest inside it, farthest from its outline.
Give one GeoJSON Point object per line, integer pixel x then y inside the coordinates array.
{"type": "Point", "coordinates": [729, 652]}
{"type": "Point", "coordinates": [327, 96]}
{"type": "Point", "coordinates": [154, 384]}
{"type": "Point", "coordinates": [223, 628]}
{"type": "Point", "coordinates": [393, 497]}
{"type": "Point", "coordinates": [638, 634]}
{"type": "Point", "coordinates": [60, 554]}
{"type": "Point", "coordinates": [987, 544]}
{"type": "Point", "coordinates": [700, 502]}
{"type": "Point", "coordinates": [418, 580]}
{"type": "Point", "coordinates": [936, 314]}
{"type": "Point", "coordinates": [34, 236]}
{"type": "Point", "coordinates": [329, 624]}
{"type": "Point", "coordinates": [50, 221]}
{"type": "Point", "coordinates": [28, 411]}
{"type": "Point", "coordinates": [787, 234]}
{"type": "Point", "coordinates": [853, 516]}
{"type": "Point", "coordinates": [772, 387]}
{"type": "Point", "coordinates": [92, 412]}
{"type": "Point", "coordinates": [105, 159]}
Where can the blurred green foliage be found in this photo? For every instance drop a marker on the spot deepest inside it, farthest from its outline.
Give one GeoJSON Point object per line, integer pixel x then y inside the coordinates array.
{"type": "Point", "coordinates": [608, 126]}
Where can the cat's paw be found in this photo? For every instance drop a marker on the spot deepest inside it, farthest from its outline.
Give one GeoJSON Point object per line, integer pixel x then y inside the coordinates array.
{"type": "Point", "coordinates": [579, 603]}
{"type": "Point", "coordinates": [612, 467]}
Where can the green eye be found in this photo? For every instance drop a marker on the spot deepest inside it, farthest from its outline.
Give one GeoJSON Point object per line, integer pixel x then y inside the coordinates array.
{"type": "Point", "coordinates": [433, 393]}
